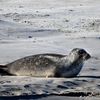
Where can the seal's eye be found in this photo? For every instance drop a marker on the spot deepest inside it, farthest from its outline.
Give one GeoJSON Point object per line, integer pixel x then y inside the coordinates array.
{"type": "Point", "coordinates": [81, 51]}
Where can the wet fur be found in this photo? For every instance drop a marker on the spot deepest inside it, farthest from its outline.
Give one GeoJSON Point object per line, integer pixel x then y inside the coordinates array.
{"type": "Point", "coordinates": [44, 65]}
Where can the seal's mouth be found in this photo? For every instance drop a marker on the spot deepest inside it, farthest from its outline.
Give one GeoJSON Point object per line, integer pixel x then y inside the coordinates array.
{"type": "Point", "coordinates": [88, 56]}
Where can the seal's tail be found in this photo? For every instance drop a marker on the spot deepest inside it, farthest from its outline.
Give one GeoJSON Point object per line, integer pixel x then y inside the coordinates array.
{"type": "Point", "coordinates": [3, 70]}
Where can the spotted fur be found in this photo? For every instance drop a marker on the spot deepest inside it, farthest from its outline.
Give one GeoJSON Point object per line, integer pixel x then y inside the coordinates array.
{"type": "Point", "coordinates": [48, 65]}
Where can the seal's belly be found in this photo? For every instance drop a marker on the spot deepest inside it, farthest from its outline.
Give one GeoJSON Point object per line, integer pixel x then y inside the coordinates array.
{"type": "Point", "coordinates": [36, 73]}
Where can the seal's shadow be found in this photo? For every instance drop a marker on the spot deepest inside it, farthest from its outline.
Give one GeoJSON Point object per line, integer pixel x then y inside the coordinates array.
{"type": "Point", "coordinates": [89, 76]}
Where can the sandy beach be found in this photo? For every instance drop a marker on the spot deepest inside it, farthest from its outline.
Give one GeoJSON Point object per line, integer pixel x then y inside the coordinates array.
{"type": "Point", "coordinates": [29, 27]}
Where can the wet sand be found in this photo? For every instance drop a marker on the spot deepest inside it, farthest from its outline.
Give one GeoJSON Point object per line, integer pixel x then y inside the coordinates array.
{"type": "Point", "coordinates": [53, 26]}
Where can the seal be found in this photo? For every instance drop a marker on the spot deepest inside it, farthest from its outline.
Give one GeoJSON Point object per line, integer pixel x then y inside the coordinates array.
{"type": "Point", "coordinates": [48, 65]}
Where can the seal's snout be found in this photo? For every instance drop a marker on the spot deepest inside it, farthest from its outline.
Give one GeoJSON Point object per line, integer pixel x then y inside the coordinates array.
{"type": "Point", "coordinates": [82, 54]}
{"type": "Point", "coordinates": [88, 56]}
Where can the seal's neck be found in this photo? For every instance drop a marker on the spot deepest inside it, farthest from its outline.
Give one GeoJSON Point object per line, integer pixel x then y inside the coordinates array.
{"type": "Point", "coordinates": [72, 59]}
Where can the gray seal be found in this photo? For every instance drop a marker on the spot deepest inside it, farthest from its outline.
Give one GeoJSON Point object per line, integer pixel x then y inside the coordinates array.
{"type": "Point", "coordinates": [48, 65]}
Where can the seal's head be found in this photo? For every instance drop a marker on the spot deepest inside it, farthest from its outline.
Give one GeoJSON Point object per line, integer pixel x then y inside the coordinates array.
{"type": "Point", "coordinates": [79, 54]}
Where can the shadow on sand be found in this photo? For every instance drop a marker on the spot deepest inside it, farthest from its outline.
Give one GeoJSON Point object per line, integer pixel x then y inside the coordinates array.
{"type": "Point", "coordinates": [90, 76]}
{"type": "Point", "coordinates": [44, 96]}
{"type": "Point", "coordinates": [23, 97]}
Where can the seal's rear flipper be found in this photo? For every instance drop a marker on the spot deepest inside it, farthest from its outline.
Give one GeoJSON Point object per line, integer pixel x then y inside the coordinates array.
{"type": "Point", "coordinates": [3, 70]}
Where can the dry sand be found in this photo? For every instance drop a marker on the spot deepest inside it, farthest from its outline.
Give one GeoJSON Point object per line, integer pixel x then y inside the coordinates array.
{"type": "Point", "coordinates": [30, 27]}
